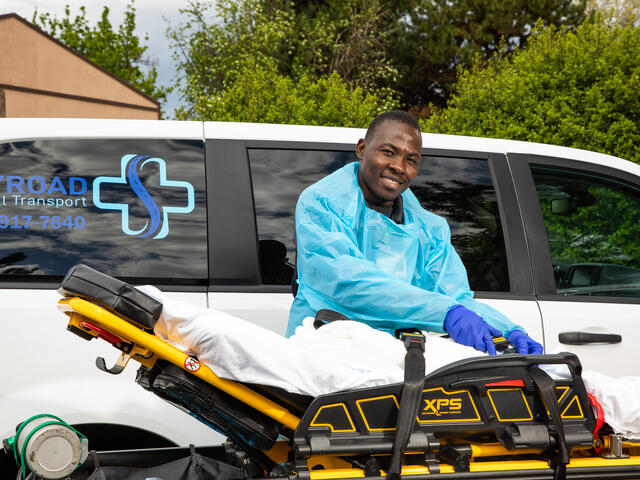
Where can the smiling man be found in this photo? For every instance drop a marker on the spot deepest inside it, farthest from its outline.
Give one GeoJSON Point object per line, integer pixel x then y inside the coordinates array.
{"type": "Point", "coordinates": [368, 250]}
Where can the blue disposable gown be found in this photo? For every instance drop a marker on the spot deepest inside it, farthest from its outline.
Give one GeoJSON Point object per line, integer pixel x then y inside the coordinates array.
{"type": "Point", "coordinates": [360, 263]}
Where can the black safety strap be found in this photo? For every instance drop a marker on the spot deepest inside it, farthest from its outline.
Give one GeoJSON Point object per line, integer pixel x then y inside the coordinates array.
{"type": "Point", "coordinates": [410, 398]}
{"type": "Point", "coordinates": [194, 458]}
{"type": "Point", "coordinates": [546, 387]}
{"type": "Point", "coordinates": [94, 458]}
{"type": "Point", "coordinates": [326, 316]}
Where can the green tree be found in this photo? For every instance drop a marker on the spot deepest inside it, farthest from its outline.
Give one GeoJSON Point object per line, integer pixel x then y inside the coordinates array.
{"type": "Point", "coordinates": [437, 37]}
{"type": "Point", "coordinates": [349, 37]}
{"type": "Point", "coordinates": [119, 52]}
{"type": "Point", "coordinates": [406, 50]}
{"type": "Point", "coordinates": [262, 95]}
{"type": "Point", "coordinates": [577, 89]}
{"type": "Point", "coordinates": [332, 55]}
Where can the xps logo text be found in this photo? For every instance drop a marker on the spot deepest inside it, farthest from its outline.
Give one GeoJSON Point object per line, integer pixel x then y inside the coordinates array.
{"type": "Point", "coordinates": [436, 406]}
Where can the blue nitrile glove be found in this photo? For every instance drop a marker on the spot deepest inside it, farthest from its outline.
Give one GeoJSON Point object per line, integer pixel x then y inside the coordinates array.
{"type": "Point", "coordinates": [524, 343]}
{"type": "Point", "coordinates": [468, 328]}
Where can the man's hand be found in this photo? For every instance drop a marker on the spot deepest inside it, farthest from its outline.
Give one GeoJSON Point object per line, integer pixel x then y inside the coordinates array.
{"type": "Point", "coordinates": [524, 343]}
{"type": "Point", "coordinates": [468, 328]}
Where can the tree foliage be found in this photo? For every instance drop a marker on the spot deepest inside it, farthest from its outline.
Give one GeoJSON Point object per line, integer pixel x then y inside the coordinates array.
{"type": "Point", "coordinates": [262, 95]}
{"type": "Point", "coordinates": [346, 36]}
{"type": "Point", "coordinates": [577, 89]}
{"type": "Point", "coordinates": [333, 58]}
{"type": "Point", "coordinates": [406, 50]}
{"type": "Point", "coordinates": [120, 51]}
{"type": "Point", "coordinates": [440, 36]}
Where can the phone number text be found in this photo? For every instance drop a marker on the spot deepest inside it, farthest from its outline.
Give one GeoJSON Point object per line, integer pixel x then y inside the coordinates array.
{"type": "Point", "coordinates": [43, 221]}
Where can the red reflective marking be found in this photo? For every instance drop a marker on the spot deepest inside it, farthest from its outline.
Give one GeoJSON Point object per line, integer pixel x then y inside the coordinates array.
{"type": "Point", "coordinates": [506, 383]}
{"type": "Point", "coordinates": [109, 337]}
{"type": "Point", "coordinates": [599, 418]}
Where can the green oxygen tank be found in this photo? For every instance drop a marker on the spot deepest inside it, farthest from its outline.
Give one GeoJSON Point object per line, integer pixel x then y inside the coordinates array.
{"type": "Point", "coordinates": [47, 446]}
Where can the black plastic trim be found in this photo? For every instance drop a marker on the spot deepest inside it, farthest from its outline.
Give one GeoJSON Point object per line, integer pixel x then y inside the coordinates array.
{"type": "Point", "coordinates": [520, 276]}
{"type": "Point", "coordinates": [586, 338]}
{"type": "Point", "coordinates": [504, 296]}
{"type": "Point", "coordinates": [535, 232]}
{"type": "Point", "coordinates": [233, 253]}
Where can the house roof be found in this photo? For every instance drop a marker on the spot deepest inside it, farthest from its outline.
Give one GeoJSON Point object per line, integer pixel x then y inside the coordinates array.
{"type": "Point", "coordinates": [36, 29]}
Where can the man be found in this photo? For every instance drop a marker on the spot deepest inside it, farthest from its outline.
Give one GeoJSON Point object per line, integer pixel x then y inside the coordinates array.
{"type": "Point", "coordinates": [368, 250]}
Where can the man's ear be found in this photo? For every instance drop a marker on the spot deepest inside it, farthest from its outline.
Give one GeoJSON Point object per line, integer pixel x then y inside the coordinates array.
{"type": "Point", "coordinates": [360, 148]}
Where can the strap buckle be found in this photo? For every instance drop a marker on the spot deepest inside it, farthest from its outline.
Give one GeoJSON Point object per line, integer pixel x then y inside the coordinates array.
{"type": "Point", "coordinates": [411, 337]}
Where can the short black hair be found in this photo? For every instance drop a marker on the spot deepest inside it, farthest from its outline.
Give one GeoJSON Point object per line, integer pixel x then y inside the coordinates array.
{"type": "Point", "coordinates": [393, 115]}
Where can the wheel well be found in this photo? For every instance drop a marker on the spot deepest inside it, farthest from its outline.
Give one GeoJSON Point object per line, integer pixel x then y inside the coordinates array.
{"type": "Point", "coordinates": [107, 436]}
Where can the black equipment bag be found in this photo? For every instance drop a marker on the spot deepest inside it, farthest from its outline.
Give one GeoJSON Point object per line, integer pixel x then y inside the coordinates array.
{"type": "Point", "coordinates": [193, 467]}
{"type": "Point", "coordinates": [117, 296]}
{"type": "Point", "coordinates": [217, 409]}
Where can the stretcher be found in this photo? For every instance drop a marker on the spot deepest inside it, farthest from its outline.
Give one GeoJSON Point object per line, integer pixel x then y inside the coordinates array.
{"type": "Point", "coordinates": [487, 417]}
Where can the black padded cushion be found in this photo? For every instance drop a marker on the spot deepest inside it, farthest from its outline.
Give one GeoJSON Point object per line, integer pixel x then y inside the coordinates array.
{"type": "Point", "coordinates": [116, 295]}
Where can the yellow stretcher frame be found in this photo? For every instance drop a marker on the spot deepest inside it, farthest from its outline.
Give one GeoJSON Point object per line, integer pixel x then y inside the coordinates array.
{"type": "Point", "coordinates": [147, 348]}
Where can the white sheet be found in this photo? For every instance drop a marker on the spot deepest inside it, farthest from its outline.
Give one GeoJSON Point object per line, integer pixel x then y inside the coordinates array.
{"type": "Point", "coordinates": [339, 356]}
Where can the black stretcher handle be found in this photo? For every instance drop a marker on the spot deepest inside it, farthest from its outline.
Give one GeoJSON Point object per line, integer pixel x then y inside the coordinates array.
{"type": "Point", "coordinates": [585, 338]}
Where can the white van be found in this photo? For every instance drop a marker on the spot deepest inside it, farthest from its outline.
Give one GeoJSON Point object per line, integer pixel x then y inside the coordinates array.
{"type": "Point", "coordinates": [550, 236]}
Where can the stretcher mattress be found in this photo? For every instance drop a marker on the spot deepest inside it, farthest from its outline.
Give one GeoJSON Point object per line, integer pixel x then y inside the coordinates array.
{"type": "Point", "coordinates": [339, 356]}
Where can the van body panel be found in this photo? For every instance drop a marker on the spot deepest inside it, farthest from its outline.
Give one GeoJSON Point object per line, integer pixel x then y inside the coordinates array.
{"type": "Point", "coordinates": [615, 359]}
{"type": "Point", "coordinates": [269, 310]}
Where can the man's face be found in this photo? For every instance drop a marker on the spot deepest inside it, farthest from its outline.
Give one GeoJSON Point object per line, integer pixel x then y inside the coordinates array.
{"type": "Point", "coordinates": [389, 161]}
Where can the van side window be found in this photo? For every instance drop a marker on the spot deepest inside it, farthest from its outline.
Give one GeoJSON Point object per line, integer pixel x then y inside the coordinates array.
{"type": "Point", "coordinates": [469, 205]}
{"type": "Point", "coordinates": [461, 191]}
{"type": "Point", "coordinates": [279, 177]}
{"type": "Point", "coordinates": [593, 226]}
{"type": "Point", "coordinates": [129, 208]}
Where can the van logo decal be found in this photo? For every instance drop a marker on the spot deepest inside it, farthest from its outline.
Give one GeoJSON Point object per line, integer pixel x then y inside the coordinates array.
{"type": "Point", "coordinates": [158, 221]}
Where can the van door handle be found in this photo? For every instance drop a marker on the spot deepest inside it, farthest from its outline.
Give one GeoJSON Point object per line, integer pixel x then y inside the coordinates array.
{"type": "Point", "coordinates": [584, 338]}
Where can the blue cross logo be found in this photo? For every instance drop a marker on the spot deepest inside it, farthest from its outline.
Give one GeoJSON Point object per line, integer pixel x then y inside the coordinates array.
{"type": "Point", "coordinates": [158, 220]}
